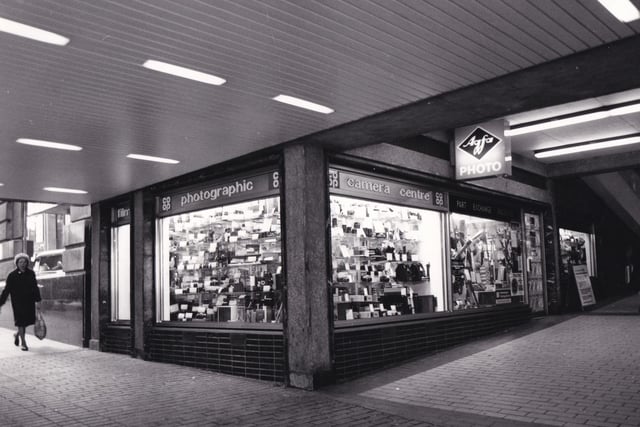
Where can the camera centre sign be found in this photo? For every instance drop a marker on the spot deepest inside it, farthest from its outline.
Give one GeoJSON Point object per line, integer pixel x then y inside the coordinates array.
{"type": "Point", "coordinates": [482, 151]}
{"type": "Point", "coordinates": [355, 184]}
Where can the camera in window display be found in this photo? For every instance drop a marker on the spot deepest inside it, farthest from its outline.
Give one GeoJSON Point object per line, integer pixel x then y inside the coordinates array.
{"type": "Point", "coordinates": [225, 264]}
{"type": "Point", "coordinates": [379, 265]}
{"type": "Point", "coordinates": [485, 262]}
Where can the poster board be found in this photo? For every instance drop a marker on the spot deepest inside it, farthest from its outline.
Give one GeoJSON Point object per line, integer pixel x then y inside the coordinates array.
{"type": "Point", "coordinates": [583, 283]}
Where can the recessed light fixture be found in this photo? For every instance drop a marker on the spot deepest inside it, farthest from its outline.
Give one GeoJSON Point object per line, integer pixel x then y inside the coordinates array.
{"type": "Point", "coordinates": [48, 144]}
{"type": "Point", "coordinates": [301, 103]}
{"type": "Point", "coordinates": [186, 73]}
{"type": "Point", "coordinates": [1, 184]}
{"type": "Point", "coordinates": [152, 158]}
{"type": "Point", "coordinates": [33, 33]}
{"type": "Point", "coordinates": [575, 118]}
{"type": "Point", "coordinates": [598, 144]}
{"type": "Point", "coordinates": [64, 190]}
{"type": "Point", "coordinates": [623, 10]}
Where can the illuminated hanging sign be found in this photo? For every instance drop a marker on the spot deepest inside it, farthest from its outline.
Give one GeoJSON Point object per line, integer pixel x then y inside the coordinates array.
{"type": "Point", "coordinates": [482, 151]}
{"type": "Point", "coordinates": [370, 187]}
{"type": "Point", "coordinates": [219, 193]}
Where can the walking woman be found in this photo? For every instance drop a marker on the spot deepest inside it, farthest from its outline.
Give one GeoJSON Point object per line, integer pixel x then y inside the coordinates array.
{"type": "Point", "coordinates": [23, 289]}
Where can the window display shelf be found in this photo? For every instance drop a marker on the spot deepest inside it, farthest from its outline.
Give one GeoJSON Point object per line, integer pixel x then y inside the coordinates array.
{"type": "Point", "coordinates": [209, 255]}
{"type": "Point", "coordinates": [379, 258]}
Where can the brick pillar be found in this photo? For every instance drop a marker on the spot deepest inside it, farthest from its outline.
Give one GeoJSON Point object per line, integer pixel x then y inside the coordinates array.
{"type": "Point", "coordinates": [307, 326]}
{"type": "Point", "coordinates": [12, 238]}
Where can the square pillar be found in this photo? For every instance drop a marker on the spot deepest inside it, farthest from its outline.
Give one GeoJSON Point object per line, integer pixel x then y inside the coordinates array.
{"type": "Point", "coordinates": [307, 324]}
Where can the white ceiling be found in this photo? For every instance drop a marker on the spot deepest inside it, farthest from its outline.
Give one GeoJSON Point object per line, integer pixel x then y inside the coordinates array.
{"type": "Point", "coordinates": [357, 57]}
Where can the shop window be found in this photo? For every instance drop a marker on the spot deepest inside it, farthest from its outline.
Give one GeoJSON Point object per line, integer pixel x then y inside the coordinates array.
{"type": "Point", "coordinates": [221, 264]}
{"type": "Point", "coordinates": [486, 267]}
{"type": "Point", "coordinates": [121, 273]}
{"type": "Point", "coordinates": [387, 260]}
{"type": "Point", "coordinates": [577, 248]}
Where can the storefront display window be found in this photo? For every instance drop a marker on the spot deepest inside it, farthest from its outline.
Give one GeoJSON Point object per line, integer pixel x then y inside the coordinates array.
{"type": "Point", "coordinates": [387, 259]}
{"type": "Point", "coordinates": [222, 264]}
{"type": "Point", "coordinates": [576, 248]}
{"type": "Point", "coordinates": [486, 266]}
{"type": "Point", "coordinates": [120, 273]}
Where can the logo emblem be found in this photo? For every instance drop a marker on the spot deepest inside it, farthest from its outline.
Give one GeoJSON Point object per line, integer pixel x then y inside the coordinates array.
{"type": "Point", "coordinates": [479, 143]}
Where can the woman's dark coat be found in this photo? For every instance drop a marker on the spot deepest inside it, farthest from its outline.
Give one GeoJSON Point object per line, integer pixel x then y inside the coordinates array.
{"type": "Point", "coordinates": [24, 292]}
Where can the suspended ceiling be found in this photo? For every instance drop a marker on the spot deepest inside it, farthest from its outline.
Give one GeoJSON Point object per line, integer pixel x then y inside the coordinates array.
{"type": "Point", "coordinates": [371, 61]}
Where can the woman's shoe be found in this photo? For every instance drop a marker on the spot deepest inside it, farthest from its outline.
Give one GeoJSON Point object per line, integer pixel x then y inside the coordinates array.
{"type": "Point", "coordinates": [25, 348]}
{"type": "Point", "coordinates": [16, 340]}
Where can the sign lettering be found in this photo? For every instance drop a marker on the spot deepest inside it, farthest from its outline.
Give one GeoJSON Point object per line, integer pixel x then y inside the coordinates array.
{"type": "Point", "coordinates": [360, 185]}
{"type": "Point", "coordinates": [213, 194]}
{"type": "Point", "coordinates": [482, 151]}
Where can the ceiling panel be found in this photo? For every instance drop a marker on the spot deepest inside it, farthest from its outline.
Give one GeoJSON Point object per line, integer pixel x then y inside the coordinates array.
{"type": "Point", "coordinates": [357, 57]}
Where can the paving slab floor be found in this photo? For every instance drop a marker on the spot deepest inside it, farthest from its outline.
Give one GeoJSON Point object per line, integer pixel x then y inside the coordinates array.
{"type": "Point", "coordinates": [576, 370]}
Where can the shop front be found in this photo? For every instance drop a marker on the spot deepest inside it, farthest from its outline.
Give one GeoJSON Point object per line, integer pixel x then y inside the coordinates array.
{"type": "Point", "coordinates": [418, 266]}
{"type": "Point", "coordinates": [214, 297]}
{"type": "Point", "coordinates": [308, 268]}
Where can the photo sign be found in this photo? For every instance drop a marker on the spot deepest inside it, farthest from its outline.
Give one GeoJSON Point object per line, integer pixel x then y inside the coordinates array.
{"type": "Point", "coordinates": [482, 151]}
{"type": "Point", "coordinates": [355, 184]}
{"type": "Point", "coordinates": [218, 193]}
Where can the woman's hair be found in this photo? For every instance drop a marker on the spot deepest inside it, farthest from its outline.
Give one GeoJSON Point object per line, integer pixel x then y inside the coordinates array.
{"type": "Point", "coordinates": [20, 256]}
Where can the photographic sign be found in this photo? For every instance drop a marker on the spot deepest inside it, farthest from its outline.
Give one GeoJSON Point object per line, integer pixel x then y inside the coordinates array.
{"type": "Point", "coordinates": [218, 193]}
{"type": "Point", "coordinates": [482, 151]}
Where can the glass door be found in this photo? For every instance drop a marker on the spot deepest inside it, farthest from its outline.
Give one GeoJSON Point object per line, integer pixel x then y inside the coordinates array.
{"type": "Point", "coordinates": [534, 262]}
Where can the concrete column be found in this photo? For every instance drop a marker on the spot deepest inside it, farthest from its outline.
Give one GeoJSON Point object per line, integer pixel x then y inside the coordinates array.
{"type": "Point", "coordinates": [96, 270]}
{"type": "Point", "coordinates": [307, 325]}
{"type": "Point", "coordinates": [137, 274]}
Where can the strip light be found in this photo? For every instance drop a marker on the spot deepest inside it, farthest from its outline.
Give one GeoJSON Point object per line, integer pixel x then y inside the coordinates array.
{"type": "Point", "coordinates": [152, 158]}
{"type": "Point", "coordinates": [301, 103]}
{"type": "Point", "coordinates": [186, 73]}
{"type": "Point", "coordinates": [623, 10]}
{"type": "Point", "coordinates": [33, 33]}
{"type": "Point", "coordinates": [64, 190]}
{"type": "Point", "coordinates": [575, 118]}
{"type": "Point", "coordinates": [48, 144]}
{"type": "Point", "coordinates": [588, 146]}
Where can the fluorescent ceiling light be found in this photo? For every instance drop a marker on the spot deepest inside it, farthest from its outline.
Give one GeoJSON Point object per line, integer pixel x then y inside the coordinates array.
{"type": "Point", "coordinates": [575, 118]}
{"type": "Point", "coordinates": [64, 190]}
{"type": "Point", "coordinates": [1, 184]}
{"type": "Point", "coordinates": [301, 103]}
{"type": "Point", "coordinates": [33, 33]}
{"type": "Point", "coordinates": [552, 124]}
{"type": "Point", "coordinates": [623, 10]}
{"type": "Point", "coordinates": [187, 73]}
{"type": "Point", "coordinates": [588, 146]}
{"type": "Point", "coordinates": [48, 144]}
{"type": "Point", "coordinates": [152, 158]}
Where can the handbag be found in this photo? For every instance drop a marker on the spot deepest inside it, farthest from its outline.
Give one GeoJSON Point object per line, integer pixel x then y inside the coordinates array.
{"type": "Point", "coordinates": [40, 328]}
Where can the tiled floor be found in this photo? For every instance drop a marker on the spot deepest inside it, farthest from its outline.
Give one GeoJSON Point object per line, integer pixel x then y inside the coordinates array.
{"type": "Point", "coordinates": [577, 370]}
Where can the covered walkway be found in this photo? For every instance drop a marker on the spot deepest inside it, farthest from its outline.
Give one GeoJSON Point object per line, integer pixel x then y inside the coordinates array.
{"type": "Point", "coordinates": [578, 370]}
